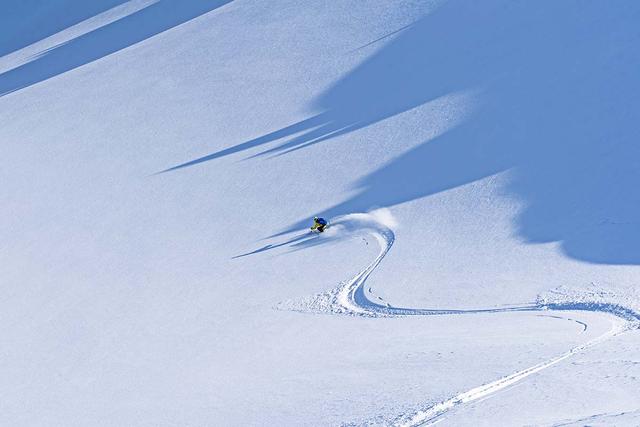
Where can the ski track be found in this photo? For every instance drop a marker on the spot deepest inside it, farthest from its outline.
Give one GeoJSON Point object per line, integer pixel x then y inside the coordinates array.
{"type": "Point", "coordinates": [350, 298]}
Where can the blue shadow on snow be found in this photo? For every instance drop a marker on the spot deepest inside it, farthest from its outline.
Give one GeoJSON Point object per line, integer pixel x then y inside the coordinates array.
{"type": "Point", "coordinates": [125, 32]}
{"type": "Point", "coordinates": [558, 104]}
{"type": "Point", "coordinates": [23, 22]}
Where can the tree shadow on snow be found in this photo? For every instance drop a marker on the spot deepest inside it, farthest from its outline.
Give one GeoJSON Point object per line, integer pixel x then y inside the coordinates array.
{"type": "Point", "coordinates": [558, 104]}
{"type": "Point", "coordinates": [125, 32]}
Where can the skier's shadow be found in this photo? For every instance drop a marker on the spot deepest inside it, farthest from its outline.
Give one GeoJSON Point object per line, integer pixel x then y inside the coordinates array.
{"type": "Point", "coordinates": [298, 242]}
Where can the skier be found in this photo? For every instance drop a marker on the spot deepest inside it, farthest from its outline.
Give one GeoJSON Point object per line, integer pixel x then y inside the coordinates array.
{"type": "Point", "coordinates": [319, 224]}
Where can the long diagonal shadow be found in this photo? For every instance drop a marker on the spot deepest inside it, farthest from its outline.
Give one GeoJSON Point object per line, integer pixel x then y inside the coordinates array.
{"type": "Point", "coordinates": [303, 125]}
{"type": "Point", "coordinates": [303, 239]}
{"type": "Point", "coordinates": [23, 22]}
{"type": "Point", "coordinates": [132, 29]}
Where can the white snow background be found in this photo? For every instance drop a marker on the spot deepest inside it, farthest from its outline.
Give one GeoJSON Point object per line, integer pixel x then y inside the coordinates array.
{"type": "Point", "coordinates": [479, 163]}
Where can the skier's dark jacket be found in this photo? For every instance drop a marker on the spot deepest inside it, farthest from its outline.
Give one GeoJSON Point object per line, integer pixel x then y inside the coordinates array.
{"type": "Point", "coordinates": [319, 224]}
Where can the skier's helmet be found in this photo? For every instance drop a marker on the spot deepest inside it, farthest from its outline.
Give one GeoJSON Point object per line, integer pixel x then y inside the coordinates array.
{"type": "Point", "coordinates": [315, 218]}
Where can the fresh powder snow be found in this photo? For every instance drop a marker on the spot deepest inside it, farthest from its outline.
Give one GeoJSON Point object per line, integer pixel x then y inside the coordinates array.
{"type": "Point", "coordinates": [477, 161]}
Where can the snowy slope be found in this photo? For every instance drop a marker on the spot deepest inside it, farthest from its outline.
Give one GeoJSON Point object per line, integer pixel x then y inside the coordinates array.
{"type": "Point", "coordinates": [162, 160]}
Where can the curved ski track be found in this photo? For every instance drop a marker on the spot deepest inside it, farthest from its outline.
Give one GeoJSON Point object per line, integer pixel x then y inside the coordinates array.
{"type": "Point", "coordinates": [350, 298]}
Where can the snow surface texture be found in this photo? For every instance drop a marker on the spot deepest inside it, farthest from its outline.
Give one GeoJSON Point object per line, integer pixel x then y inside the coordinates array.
{"type": "Point", "coordinates": [350, 298]}
{"type": "Point", "coordinates": [162, 160]}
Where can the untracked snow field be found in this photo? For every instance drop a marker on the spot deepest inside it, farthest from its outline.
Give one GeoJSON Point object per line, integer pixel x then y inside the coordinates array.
{"type": "Point", "coordinates": [478, 163]}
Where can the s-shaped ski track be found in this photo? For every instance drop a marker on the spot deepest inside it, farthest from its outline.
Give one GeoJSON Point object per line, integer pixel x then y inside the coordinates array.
{"type": "Point", "coordinates": [350, 298]}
